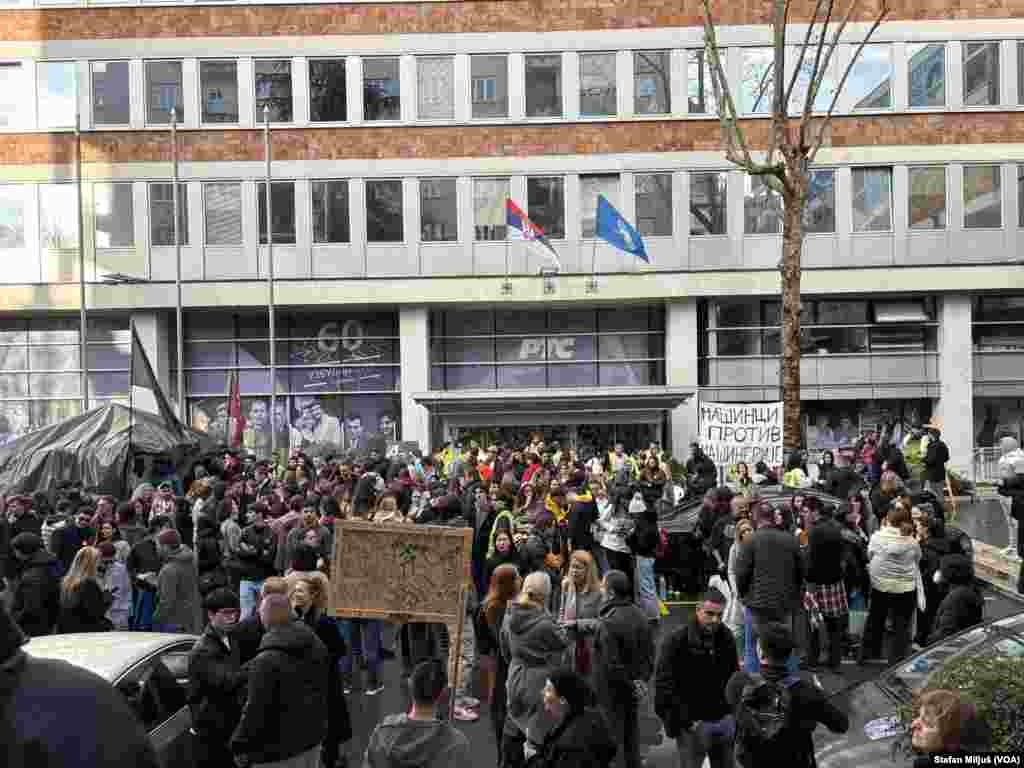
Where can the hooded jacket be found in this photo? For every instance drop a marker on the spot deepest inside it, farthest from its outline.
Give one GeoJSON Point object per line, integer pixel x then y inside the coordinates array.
{"type": "Point", "coordinates": [401, 742]}
{"type": "Point", "coordinates": [964, 606]}
{"type": "Point", "coordinates": [178, 593]}
{"type": "Point", "coordinates": [57, 715]}
{"type": "Point", "coordinates": [37, 595]}
{"type": "Point", "coordinates": [583, 741]}
{"type": "Point", "coordinates": [532, 644]}
{"type": "Point", "coordinates": [770, 572]}
{"type": "Point", "coordinates": [286, 711]}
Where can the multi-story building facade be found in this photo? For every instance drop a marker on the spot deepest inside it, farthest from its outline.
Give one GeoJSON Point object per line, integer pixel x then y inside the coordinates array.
{"type": "Point", "coordinates": [403, 304]}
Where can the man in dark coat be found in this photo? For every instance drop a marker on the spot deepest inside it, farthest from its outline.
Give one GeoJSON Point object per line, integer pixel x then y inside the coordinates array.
{"type": "Point", "coordinates": [21, 520]}
{"type": "Point", "coordinates": [964, 606]}
{"type": "Point", "coordinates": [623, 658]}
{"type": "Point", "coordinates": [71, 538]}
{"type": "Point", "coordinates": [37, 594]}
{"type": "Point", "coordinates": [217, 681]}
{"type": "Point", "coordinates": [55, 714]}
{"type": "Point", "coordinates": [285, 715]}
{"type": "Point", "coordinates": [935, 458]}
{"type": "Point", "coordinates": [695, 665]}
{"type": "Point", "coordinates": [701, 472]}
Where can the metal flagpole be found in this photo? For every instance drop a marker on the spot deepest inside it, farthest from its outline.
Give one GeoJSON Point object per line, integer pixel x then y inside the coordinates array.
{"type": "Point", "coordinates": [177, 259]}
{"type": "Point", "coordinates": [270, 284]}
{"type": "Point", "coordinates": [83, 326]}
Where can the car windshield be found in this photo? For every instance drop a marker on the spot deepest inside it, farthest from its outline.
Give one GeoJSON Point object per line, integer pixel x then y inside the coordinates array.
{"type": "Point", "coordinates": [1001, 638]}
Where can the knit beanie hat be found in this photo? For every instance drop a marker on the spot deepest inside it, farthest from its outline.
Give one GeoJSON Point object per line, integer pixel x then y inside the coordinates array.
{"type": "Point", "coordinates": [169, 538]}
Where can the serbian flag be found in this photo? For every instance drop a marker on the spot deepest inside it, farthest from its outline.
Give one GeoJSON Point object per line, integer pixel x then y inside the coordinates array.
{"type": "Point", "coordinates": [236, 421]}
{"type": "Point", "coordinates": [515, 218]}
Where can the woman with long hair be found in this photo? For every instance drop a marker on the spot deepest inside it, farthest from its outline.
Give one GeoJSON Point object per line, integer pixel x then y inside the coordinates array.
{"type": "Point", "coordinates": [307, 594]}
{"type": "Point", "coordinates": [581, 601]}
{"type": "Point", "coordinates": [734, 612]}
{"type": "Point", "coordinates": [82, 605]}
{"type": "Point", "coordinates": [501, 590]}
{"type": "Point", "coordinates": [108, 532]}
{"type": "Point", "coordinates": [944, 722]}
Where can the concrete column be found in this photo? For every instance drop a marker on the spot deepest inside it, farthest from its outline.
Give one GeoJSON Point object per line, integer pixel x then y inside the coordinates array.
{"type": "Point", "coordinates": [155, 330]}
{"type": "Point", "coordinates": [955, 406]}
{"type": "Point", "coordinates": [414, 357]}
{"type": "Point", "coordinates": [681, 370]}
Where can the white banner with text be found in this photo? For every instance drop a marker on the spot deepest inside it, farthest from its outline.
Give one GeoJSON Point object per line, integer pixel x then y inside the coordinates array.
{"type": "Point", "coordinates": [731, 433]}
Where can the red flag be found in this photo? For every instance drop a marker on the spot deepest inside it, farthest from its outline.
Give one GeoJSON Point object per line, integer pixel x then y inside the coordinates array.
{"type": "Point", "coordinates": [236, 421]}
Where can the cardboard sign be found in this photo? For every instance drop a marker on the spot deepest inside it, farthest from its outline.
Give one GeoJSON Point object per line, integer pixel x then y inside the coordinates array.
{"type": "Point", "coordinates": [747, 432]}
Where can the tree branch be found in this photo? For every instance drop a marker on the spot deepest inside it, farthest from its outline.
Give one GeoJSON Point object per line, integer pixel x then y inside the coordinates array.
{"type": "Point", "coordinates": [735, 143]}
{"type": "Point", "coordinates": [803, 51]}
{"type": "Point", "coordinates": [818, 75]}
{"type": "Point", "coordinates": [820, 137]}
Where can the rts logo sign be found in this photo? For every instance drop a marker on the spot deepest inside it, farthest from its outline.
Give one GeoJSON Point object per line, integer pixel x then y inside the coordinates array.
{"type": "Point", "coordinates": [557, 348]}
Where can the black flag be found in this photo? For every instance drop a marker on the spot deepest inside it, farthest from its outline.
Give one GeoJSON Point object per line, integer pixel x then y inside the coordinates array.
{"type": "Point", "coordinates": [145, 390]}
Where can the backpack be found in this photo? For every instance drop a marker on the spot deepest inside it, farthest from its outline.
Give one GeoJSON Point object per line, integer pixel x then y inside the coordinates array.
{"type": "Point", "coordinates": [764, 717]}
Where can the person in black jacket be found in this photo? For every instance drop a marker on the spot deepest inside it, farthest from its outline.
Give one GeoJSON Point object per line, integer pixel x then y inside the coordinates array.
{"type": "Point", "coordinates": [68, 540]}
{"type": "Point", "coordinates": [143, 566]}
{"type": "Point", "coordinates": [695, 665]}
{"type": "Point", "coordinates": [701, 472]}
{"type": "Point", "coordinates": [581, 737]}
{"type": "Point", "coordinates": [285, 714]}
{"type": "Point", "coordinates": [37, 592]}
{"type": "Point", "coordinates": [964, 606]}
{"type": "Point", "coordinates": [216, 681]}
{"type": "Point", "coordinates": [810, 704]}
{"type": "Point", "coordinates": [254, 562]}
{"type": "Point", "coordinates": [62, 716]}
{"type": "Point", "coordinates": [208, 555]}
{"type": "Point", "coordinates": [83, 607]}
{"type": "Point", "coordinates": [825, 588]}
{"type": "Point", "coordinates": [935, 458]}
{"type": "Point", "coordinates": [623, 658]}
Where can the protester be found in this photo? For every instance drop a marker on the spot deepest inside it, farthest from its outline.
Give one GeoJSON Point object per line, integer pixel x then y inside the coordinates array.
{"type": "Point", "coordinates": [581, 603]}
{"type": "Point", "coordinates": [144, 565]}
{"type": "Point", "coordinates": [36, 601]}
{"type": "Point", "coordinates": [964, 606]}
{"type": "Point", "coordinates": [291, 667]}
{"type": "Point", "coordinates": [217, 681]}
{"type": "Point", "coordinates": [116, 585]}
{"type": "Point", "coordinates": [735, 611]}
{"type": "Point", "coordinates": [825, 592]}
{"type": "Point", "coordinates": [623, 662]}
{"type": "Point", "coordinates": [580, 737]}
{"type": "Point", "coordinates": [69, 539]}
{"type": "Point", "coordinates": [82, 605]}
{"type": "Point", "coordinates": [418, 738]}
{"type": "Point", "coordinates": [695, 665]}
{"type": "Point", "coordinates": [935, 458]}
{"type": "Point", "coordinates": [945, 723]}
{"type": "Point", "coordinates": [504, 586]}
{"type": "Point", "coordinates": [177, 598]}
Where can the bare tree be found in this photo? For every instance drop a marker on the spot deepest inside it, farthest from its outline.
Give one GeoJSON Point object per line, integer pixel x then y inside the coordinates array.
{"type": "Point", "coordinates": [795, 134]}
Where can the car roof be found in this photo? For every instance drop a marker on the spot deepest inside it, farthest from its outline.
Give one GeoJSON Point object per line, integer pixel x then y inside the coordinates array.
{"type": "Point", "coordinates": [107, 654]}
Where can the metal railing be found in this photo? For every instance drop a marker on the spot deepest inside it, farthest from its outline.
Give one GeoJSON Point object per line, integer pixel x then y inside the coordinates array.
{"type": "Point", "coordinates": [986, 465]}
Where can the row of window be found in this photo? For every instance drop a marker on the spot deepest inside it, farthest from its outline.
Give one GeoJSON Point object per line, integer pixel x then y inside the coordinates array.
{"type": "Point", "coordinates": [54, 85]}
{"type": "Point", "coordinates": [385, 208]}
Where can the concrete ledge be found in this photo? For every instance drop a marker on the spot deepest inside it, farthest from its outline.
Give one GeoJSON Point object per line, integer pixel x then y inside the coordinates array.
{"type": "Point", "coordinates": [996, 570]}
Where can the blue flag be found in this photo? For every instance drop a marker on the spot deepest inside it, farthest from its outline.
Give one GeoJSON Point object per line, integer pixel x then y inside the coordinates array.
{"type": "Point", "coordinates": [617, 231]}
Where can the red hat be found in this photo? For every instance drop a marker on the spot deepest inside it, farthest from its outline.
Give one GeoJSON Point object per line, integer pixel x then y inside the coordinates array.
{"type": "Point", "coordinates": [169, 538]}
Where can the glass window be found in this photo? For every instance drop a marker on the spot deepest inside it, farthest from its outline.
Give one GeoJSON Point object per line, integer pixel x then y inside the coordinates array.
{"type": "Point", "coordinates": [983, 202]}
{"type": "Point", "coordinates": [651, 82]}
{"type": "Point", "coordinates": [58, 216]}
{"type": "Point", "coordinates": [327, 91]}
{"type": "Point", "coordinates": [591, 187]}
{"type": "Point", "coordinates": [1020, 72]}
{"type": "Point", "coordinates": [820, 210]}
{"type": "Point", "coordinates": [330, 211]}
{"type": "Point", "coordinates": [12, 216]}
{"type": "Point", "coordinates": [757, 84]}
{"type": "Point", "coordinates": [707, 203]}
{"type": "Point", "coordinates": [438, 210]}
{"type": "Point", "coordinates": [545, 202]}
{"type": "Point", "coordinates": [111, 92]}
{"type": "Point", "coordinates": [762, 207]}
{"type": "Point", "coordinates": [218, 88]}
{"type": "Point", "coordinates": [58, 102]}
{"type": "Point", "coordinates": [927, 198]}
{"type": "Point", "coordinates": [872, 199]}
{"type": "Point", "coordinates": [15, 92]}
{"type": "Point", "coordinates": [435, 87]}
{"type": "Point", "coordinates": [826, 90]}
{"type": "Point", "coordinates": [274, 89]}
{"type": "Point", "coordinates": [870, 82]}
{"type": "Point", "coordinates": [381, 89]}
{"type": "Point", "coordinates": [981, 74]}
{"type": "Point", "coordinates": [223, 201]}
{"type": "Point", "coordinates": [489, 197]}
{"type": "Point", "coordinates": [544, 85]}
{"type": "Point", "coordinates": [161, 213]}
{"type": "Point", "coordinates": [926, 67]}
{"type": "Point", "coordinates": [1020, 197]}
{"type": "Point", "coordinates": [115, 224]}
{"type": "Point", "coordinates": [700, 93]}
{"type": "Point", "coordinates": [488, 82]}
{"type": "Point", "coordinates": [654, 203]}
{"type": "Point", "coordinates": [163, 92]}
{"type": "Point", "coordinates": [384, 211]}
{"type": "Point", "coordinates": [597, 84]}
{"type": "Point", "coordinates": [282, 210]}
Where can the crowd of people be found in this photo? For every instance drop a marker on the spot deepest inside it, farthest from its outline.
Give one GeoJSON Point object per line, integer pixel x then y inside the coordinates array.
{"type": "Point", "coordinates": [571, 570]}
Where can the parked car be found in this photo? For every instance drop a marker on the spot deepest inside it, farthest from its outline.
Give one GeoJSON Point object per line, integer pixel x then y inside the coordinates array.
{"type": "Point", "coordinates": [873, 736]}
{"type": "Point", "coordinates": [149, 669]}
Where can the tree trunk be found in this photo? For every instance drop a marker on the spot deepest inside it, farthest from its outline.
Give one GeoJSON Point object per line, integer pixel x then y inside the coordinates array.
{"type": "Point", "coordinates": [792, 246]}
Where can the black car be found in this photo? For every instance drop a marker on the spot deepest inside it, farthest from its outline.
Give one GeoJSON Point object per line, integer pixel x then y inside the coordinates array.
{"type": "Point", "coordinates": [874, 737]}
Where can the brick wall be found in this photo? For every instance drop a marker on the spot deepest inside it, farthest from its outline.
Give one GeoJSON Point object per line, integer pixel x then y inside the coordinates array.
{"type": "Point", "coordinates": [443, 17]}
{"type": "Point", "coordinates": [497, 141]}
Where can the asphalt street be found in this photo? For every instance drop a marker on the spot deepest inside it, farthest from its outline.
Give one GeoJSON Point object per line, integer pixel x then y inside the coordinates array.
{"type": "Point", "coordinates": [660, 752]}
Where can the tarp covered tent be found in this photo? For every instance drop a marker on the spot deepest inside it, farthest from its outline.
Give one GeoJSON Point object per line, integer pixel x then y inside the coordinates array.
{"type": "Point", "coordinates": [94, 449]}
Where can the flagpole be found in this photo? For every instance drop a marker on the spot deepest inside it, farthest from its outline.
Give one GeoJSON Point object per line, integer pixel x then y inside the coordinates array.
{"type": "Point", "coordinates": [131, 390]}
{"type": "Point", "coordinates": [270, 285]}
{"type": "Point", "coordinates": [179, 318]}
{"type": "Point", "coordinates": [83, 327]}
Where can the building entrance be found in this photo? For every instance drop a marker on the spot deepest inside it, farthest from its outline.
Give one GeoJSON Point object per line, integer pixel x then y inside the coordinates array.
{"type": "Point", "coordinates": [584, 438]}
